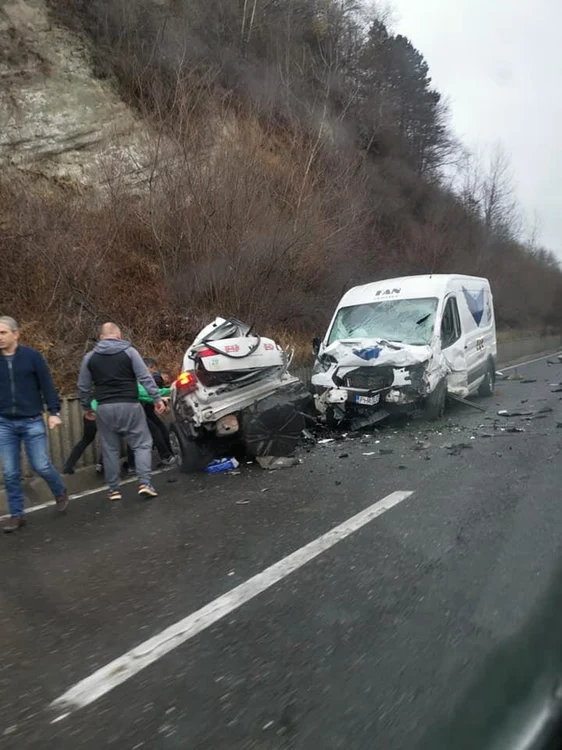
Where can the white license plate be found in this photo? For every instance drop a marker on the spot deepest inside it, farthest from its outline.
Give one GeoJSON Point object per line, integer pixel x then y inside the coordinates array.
{"type": "Point", "coordinates": [368, 400]}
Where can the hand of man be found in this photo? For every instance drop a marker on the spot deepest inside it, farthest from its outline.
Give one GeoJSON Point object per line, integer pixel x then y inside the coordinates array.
{"type": "Point", "coordinates": [160, 407]}
{"type": "Point", "coordinates": [54, 422]}
{"type": "Point", "coordinates": [90, 415]}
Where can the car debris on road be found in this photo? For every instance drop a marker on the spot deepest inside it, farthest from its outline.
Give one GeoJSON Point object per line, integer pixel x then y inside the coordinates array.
{"type": "Point", "coordinates": [235, 393]}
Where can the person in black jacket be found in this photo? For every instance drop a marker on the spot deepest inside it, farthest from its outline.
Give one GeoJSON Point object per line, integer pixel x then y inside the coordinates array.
{"type": "Point", "coordinates": [25, 387]}
{"type": "Point", "coordinates": [114, 368]}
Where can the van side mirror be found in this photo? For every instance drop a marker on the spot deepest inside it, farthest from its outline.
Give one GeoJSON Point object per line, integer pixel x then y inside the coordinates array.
{"type": "Point", "coordinates": [316, 341]}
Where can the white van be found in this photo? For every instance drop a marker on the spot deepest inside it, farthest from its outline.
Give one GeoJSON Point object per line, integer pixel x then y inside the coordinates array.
{"type": "Point", "coordinates": [399, 344]}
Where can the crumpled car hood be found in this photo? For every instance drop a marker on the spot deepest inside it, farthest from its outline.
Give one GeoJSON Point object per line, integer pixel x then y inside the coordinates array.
{"type": "Point", "coordinates": [375, 352]}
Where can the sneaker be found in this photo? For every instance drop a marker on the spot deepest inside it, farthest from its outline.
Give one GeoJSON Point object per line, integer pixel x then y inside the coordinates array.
{"type": "Point", "coordinates": [99, 468]}
{"type": "Point", "coordinates": [62, 502]}
{"type": "Point", "coordinates": [170, 461]}
{"type": "Point", "coordinates": [68, 470]}
{"type": "Point", "coordinates": [13, 524]}
{"type": "Point", "coordinates": [115, 495]}
{"type": "Point", "coordinates": [147, 490]}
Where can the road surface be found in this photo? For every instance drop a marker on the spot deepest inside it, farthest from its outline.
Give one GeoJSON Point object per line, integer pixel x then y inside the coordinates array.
{"type": "Point", "coordinates": [363, 639]}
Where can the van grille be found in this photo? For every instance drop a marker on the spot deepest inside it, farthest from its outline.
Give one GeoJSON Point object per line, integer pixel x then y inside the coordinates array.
{"type": "Point", "coordinates": [369, 378]}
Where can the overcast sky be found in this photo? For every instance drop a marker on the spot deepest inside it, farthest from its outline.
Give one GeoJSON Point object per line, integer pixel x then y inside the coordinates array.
{"type": "Point", "coordinates": [499, 63]}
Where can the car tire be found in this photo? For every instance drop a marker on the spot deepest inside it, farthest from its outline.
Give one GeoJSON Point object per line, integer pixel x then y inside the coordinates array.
{"type": "Point", "coordinates": [272, 427]}
{"type": "Point", "coordinates": [190, 455]}
{"type": "Point", "coordinates": [434, 406]}
{"type": "Point", "coordinates": [488, 385]}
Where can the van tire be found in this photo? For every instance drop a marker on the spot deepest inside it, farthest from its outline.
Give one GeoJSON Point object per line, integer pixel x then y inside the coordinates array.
{"type": "Point", "coordinates": [189, 454]}
{"type": "Point", "coordinates": [434, 406]}
{"type": "Point", "coordinates": [488, 385]}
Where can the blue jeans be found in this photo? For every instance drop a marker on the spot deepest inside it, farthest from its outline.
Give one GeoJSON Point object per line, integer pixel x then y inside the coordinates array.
{"type": "Point", "coordinates": [33, 434]}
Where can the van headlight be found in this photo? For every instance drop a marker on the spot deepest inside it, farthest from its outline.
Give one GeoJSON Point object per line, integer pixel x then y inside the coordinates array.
{"type": "Point", "coordinates": [324, 362]}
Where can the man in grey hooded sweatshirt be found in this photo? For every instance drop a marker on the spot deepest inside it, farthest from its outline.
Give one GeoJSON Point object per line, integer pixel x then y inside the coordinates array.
{"type": "Point", "coordinates": [114, 367]}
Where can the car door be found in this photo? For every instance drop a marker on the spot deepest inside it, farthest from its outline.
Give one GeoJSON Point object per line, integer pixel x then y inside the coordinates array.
{"type": "Point", "coordinates": [453, 346]}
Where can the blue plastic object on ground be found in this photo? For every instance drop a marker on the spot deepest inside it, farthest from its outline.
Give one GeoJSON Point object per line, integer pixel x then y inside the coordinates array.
{"type": "Point", "coordinates": [222, 464]}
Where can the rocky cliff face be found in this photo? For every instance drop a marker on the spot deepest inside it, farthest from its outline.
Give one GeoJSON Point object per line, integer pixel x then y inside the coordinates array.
{"type": "Point", "coordinates": [56, 119]}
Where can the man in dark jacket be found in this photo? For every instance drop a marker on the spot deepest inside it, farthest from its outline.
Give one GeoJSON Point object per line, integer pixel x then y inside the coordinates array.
{"type": "Point", "coordinates": [114, 367]}
{"type": "Point", "coordinates": [25, 387]}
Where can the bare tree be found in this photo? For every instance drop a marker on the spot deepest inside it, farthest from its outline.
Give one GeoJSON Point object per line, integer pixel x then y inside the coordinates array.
{"type": "Point", "coordinates": [501, 210]}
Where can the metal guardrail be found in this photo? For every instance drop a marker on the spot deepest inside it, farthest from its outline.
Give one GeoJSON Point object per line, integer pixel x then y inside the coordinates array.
{"type": "Point", "coordinates": [62, 440]}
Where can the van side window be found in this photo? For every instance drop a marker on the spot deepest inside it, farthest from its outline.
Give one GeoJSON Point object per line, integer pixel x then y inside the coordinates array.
{"type": "Point", "coordinates": [450, 324]}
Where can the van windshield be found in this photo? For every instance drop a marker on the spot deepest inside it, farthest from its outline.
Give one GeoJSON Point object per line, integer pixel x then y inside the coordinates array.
{"type": "Point", "coordinates": [408, 321]}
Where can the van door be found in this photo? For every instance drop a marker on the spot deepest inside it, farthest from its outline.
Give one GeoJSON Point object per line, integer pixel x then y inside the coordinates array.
{"type": "Point", "coordinates": [452, 347]}
{"type": "Point", "coordinates": [473, 309]}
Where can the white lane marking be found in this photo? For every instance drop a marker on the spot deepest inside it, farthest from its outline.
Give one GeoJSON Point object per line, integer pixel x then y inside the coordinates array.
{"type": "Point", "coordinates": [123, 668]}
{"type": "Point", "coordinates": [531, 361]}
{"type": "Point", "coordinates": [86, 493]}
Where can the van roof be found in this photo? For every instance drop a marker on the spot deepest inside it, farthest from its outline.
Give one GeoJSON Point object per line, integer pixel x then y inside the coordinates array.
{"type": "Point", "coordinates": [410, 287]}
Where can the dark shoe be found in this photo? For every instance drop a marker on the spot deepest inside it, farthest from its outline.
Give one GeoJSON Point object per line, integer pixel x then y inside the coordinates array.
{"type": "Point", "coordinates": [147, 490]}
{"type": "Point", "coordinates": [99, 468]}
{"type": "Point", "coordinates": [13, 524]}
{"type": "Point", "coordinates": [68, 470]}
{"type": "Point", "coordinates": [169, 461]}
{"type": "Point", "coordinates": [62, 502]}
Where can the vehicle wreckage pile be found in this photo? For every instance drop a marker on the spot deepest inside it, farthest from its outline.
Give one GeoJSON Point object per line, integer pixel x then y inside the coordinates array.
{"type": "Point", "coordinates": [393, 347]}
{"type": "Point", "coordinates": [236, 398]}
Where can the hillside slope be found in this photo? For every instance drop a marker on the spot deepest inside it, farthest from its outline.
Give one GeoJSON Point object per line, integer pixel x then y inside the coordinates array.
{"type": "Point", "coordinates": [164, 162]}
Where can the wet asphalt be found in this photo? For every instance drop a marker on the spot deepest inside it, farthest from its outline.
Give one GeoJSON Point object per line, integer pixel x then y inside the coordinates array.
{"type": "Point", "coordinates": [367, 646]}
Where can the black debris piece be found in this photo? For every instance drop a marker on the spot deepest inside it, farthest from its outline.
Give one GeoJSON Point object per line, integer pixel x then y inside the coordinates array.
{"type": "Point", "coordinates": [465, 402]}
{"type": "Point", "coordinates": [455, 449]}
{"type": "Point", "coordinates": [272, 463]}
{"type": "Point", "coordinates": [515, 413]}
{"type": "Point", "coordinates": [359, 423]}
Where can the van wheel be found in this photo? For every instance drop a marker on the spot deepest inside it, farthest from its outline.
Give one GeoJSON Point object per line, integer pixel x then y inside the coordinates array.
{"type": "Point", "coordinates": [434, 406]}
{"type": "Point", "coordinates": [487, 386]}
{"type": "Point", "coordinates": [190, 455]}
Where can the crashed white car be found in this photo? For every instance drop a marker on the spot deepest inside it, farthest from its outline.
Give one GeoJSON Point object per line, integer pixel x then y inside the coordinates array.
{"type": "Point", "coordinates": [235, 391]}
{"type": "Point", "coordinates": [405, 343]}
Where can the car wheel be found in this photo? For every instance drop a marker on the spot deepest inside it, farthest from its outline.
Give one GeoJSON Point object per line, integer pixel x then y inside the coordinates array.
{"type": "Point", "coordinates": [190, 455]}
{"type": "Point", "coordinates": [487, 386]}
{"type": "Point", "coordinates": [272, 427]}
{"type": "Point", "coordinates": [434, 406]}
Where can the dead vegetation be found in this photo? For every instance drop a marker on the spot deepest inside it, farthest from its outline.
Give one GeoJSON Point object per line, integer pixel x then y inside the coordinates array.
{"type": "Point", "coordinates": [286, 165]}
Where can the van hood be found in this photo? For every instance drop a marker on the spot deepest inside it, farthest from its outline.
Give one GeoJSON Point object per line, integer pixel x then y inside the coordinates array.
{"type": "Point", "coordinates": [375, 352]}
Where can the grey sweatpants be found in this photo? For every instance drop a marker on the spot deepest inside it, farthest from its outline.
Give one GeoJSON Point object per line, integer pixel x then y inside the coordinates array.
{"type": "Point", "coordinates": [128, 421]}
